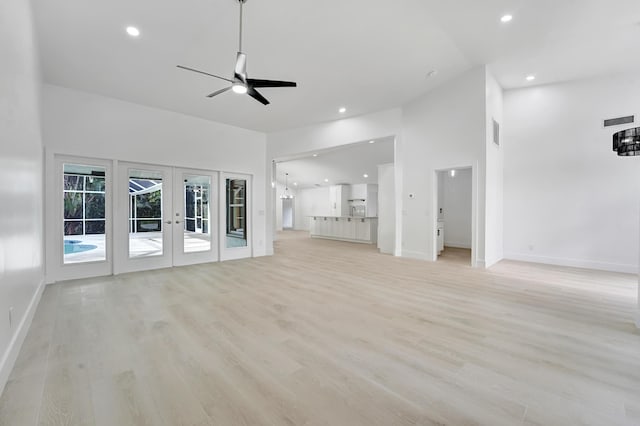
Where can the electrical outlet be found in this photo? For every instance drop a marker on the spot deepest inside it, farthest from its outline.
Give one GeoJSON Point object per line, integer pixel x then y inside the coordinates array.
{"type": "Point", "coordinates": [11, 317]}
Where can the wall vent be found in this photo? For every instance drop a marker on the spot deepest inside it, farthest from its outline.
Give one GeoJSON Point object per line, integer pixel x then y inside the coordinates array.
{"type": "Point", "coordinates": [619, 121]}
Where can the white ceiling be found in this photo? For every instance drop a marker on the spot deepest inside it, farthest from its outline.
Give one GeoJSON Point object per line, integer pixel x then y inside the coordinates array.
{"type": "Point", "coordinates": [343, 165]}
{"type": "Point", "coordinates": [367, 55]}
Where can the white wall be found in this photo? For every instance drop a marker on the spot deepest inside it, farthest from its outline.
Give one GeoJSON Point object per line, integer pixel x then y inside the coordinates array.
{"type": "Point", "coordinates": [444, 129]}
{"type": "Point", "coordinates": [89, 125]}
{"type": "Point", "coordinates": [311, 202]}
{"type": "Point", "coordinates": [21, 234]}
{"type": "Point", "coordinates": [456, 208]}
{"type": "Point", "coordinates": [569, 199]}
{"type": "Point", "coordinates": [494, 161]}
{"type": "Point", "coordinates": [386, 209]}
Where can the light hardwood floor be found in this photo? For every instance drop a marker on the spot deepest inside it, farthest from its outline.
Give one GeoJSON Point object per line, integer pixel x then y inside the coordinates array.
{"type": "Point", "coordinates": [331, 333]}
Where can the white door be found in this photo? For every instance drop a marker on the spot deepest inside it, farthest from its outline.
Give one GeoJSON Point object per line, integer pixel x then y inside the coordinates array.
{"type": "Point", "coordinates": [195, 217]}
{"type": "Point", "coordinates": [144, 225]}
{"type": "Point", "coordinates": [235, 216]}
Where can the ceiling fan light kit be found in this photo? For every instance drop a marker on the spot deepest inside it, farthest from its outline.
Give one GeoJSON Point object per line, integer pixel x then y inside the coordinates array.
{"type": "Point", "coordinates": [241, 83]}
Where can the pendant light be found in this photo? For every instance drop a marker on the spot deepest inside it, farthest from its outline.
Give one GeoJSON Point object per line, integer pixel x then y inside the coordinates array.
{"type": "Point", "coordinates": [627, 142]}
{"type": "Point", "coordinates": [286, 195]}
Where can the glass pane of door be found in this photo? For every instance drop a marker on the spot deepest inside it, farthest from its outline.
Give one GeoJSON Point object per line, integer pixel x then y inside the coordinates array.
{"type": "Point", "coordinates": [145, 213]}
{"type": "Point", "coordinates": [84, 213]}
{"type": "Point", "coordinates": [236, 232]}
{"type": "Point", "coordinates": [197, 213]}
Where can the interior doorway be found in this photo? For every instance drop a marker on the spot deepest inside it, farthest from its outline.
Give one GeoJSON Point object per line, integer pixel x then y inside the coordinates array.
{"type": "Point", "coordinates": [339, 186]}
{"type": "Point", "coordinates": [288, 214]}
{"type": "Point", "coordinates": [454, 218]}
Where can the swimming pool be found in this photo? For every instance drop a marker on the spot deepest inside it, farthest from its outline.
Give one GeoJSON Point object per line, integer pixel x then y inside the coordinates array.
{"type": "Point", "coordinates": [75, 246]}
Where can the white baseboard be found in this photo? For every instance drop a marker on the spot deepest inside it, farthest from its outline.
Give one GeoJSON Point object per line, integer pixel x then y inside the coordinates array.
{"type": "Point", "coordinates": [575, 263]}
{"type": "Point", "coordinates": [11, 354]}
{"type": "Point", "coordinates": [457, 245]}
{"type": "Point", "coordinates": [489, 263]}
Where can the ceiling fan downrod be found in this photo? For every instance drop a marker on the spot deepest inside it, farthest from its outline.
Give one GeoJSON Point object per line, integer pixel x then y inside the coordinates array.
{"type": "Point", "coordinates": [240, 26]}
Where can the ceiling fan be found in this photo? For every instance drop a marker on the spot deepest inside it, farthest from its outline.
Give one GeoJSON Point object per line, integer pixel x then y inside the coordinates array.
{"type": "Point", "coordinates": [241, 83]}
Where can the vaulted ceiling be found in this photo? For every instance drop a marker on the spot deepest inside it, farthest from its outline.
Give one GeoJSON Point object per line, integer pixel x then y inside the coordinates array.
{"type": "Point", "coordinates": [366, 55]}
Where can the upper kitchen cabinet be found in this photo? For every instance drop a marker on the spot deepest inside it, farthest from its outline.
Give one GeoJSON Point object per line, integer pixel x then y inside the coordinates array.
{"type": "Point", "coordinates": [365, 196]}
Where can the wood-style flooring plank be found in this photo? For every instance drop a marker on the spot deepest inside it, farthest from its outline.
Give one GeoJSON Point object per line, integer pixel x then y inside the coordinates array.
{"type": "Point", "coordinates": [332, 333]}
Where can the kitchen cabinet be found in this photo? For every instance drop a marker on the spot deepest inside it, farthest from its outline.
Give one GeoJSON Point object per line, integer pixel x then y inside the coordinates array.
{"type": "Point", "coordinates": [363, 229]}
{"type": "Point", "coordinates": [345, 228]}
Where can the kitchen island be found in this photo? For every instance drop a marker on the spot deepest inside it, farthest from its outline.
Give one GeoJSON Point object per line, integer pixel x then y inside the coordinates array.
{"type": "Point", "coordinates": [345, 228]}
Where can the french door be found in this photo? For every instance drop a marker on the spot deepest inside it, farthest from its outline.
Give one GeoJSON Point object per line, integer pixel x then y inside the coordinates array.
{"type": "Point", "coordinates": [79, 237]}
{"type": "Point", "coordinates": [166, 216]}
{"type": "Point", "coordinates": [195, 217]}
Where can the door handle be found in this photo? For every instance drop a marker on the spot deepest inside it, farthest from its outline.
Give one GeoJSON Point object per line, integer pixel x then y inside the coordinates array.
{"type": "Point", "coordinates": [177, 221]}
{"type": "Point", "coordinates": [168, 222]}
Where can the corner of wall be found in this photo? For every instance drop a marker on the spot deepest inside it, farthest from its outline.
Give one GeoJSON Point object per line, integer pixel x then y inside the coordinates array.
{"type": "Point", "coordinates": [10, 355]}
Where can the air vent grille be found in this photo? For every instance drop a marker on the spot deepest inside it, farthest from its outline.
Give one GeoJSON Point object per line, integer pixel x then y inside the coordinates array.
{"type": "Point", "coordinates": [619, 121]}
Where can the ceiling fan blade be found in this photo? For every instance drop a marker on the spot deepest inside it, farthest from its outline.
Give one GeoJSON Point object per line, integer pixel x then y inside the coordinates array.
{"type": "Point", "coordinates": [205, 73]}
{"type": "Point", "coordinates": [218, 92]}
{"type": "Point", "coordinates": [270, 83]}
{"type": "Point", "coordinates": [257, 96]}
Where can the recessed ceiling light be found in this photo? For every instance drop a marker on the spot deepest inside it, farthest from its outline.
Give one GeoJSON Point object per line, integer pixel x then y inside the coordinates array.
{"type": "Point", "coordinates": [342, 110]}
{"type": "Point", "coordinates": [133, 31]}
{"type": "Point", "coordinates": [314, 155]}
{"type": "Point", "coordinates": [295, 183]}
{"type": "Point", "coordinates": [531, 77]}
{"type": "Point", "coordinates": [506, 18]}
{"type": "Point", "coordinates": [372, 141]}
{"type": "Point", "coordinates": [365, 175]}
{"type": "Point", "coordinates": [326, 180]}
